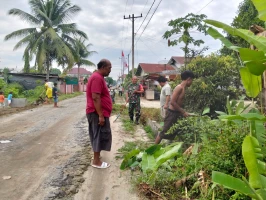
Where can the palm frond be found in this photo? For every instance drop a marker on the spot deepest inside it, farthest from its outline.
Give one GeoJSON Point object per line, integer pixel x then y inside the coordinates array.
{"type": "Point", "coordinates": [24, 16]}
{"type": "Point", "coordinates": [20, 33]}
{"type": "Point", "coordinates": [47, 21]}
{"type": "Point", "coordinates": [66, 15]}
{"type": "Point", "coordinates": [86, 62]}
{"type": "Point", "coordinates": [24, 41]}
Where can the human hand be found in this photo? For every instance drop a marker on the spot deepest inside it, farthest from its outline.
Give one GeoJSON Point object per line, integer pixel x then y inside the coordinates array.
{"type": "Point", "coordinates": [101, 120]}
{"type": "Point", "coordinates": [185, 114]}
{"type": "Point", "coordinates": [165, 106]}
{"type": "Point", "coordinates": [136, 91]}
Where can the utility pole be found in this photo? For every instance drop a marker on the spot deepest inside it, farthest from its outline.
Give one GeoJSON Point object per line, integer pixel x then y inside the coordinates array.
{"type": "Point", "coordinates": [127, 63]}
{"type": "Point", "coordinates": [133, 36]}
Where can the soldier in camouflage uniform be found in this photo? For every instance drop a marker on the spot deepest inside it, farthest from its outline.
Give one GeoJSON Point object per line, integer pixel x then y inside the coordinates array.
{"type": "Point", "coordinates": [133, 98]}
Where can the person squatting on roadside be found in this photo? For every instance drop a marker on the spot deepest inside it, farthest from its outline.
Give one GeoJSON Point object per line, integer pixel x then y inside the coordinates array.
{"type": "Point", "coordinates": [165, 96]}
{"type": "Point", "coordinates": [98, 111]}
{"type": "Point", "coordinates": [134, 91]}
{"type": "Point", "coordinates": [175, 110]}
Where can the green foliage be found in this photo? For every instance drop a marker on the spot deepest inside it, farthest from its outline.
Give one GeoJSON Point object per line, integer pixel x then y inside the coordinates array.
{"type": "Point", "coordinates": [55, 71]}
{"type": "Point", "coordinates": [128, 126]}
{"type": "Point", "coordinates": [3, 84]}
{"type": "Point", "coordinates": [216, 78]}
{"type": "Point", "coordinates": [52, 38]}
{"type": "Point", "coordinates": [109, 80]}
{"type": "Point", "coordinates": [149, 132]}
{"type": "Point", "coordinates": [247, 15]}
{"type": "Point", "coordinates": [182, 26]}
{"type": "Point", "coordinates": [150, 113]}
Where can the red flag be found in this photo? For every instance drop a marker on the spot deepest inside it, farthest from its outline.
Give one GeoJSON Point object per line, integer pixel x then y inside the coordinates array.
{"type": "Point", "coordinates": [124, 61]}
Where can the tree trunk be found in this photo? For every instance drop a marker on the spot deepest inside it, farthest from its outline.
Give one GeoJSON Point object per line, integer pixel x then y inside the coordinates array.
{"type": "Point", "coordinates": [47, 69]}
{"type": "Point", "coordinates": [78, 76]}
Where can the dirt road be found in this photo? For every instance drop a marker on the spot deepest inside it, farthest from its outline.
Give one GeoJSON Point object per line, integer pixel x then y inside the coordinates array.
{"type": "Point", "coordinates": [50, 151]}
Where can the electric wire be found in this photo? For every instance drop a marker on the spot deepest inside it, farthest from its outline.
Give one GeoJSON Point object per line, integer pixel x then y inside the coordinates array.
{"type": "Point", "coordinates": [148, 22]}
{"type": "Point", "coordinates": [145, 16]}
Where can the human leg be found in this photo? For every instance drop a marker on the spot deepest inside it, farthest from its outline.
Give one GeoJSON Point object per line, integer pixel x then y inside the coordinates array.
{"type": "Point", "coordinates": [170, 119]}
{"type": "Point", "coordinates": [137, 110]}
{"type": "Point", "coordinates": [100, 137]}
{"type": "Point", "coordinates": [131, 108]}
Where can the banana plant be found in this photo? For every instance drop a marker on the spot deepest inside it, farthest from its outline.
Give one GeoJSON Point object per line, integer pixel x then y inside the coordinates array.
{"type": "Point", "coordinates": [152, 158]}
{"type": "Point", "coordinates": [254, 61]}
{"type": "Point", "coordinates": [256, 186]}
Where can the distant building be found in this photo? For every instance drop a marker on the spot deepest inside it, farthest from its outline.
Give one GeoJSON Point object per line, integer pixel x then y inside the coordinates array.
{"type": "Point", "coordinates": [82, 72]}
{"type": "Point", "coordinates": [177, 62]}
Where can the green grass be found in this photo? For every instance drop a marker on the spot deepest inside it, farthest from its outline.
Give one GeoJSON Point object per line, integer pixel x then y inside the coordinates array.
{"type": "Point", "coordinates": [128, 126]}
{"type": "Point", "coordinates": [150, 133]}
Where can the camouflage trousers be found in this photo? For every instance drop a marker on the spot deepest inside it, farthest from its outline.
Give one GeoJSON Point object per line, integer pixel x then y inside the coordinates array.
{"type": "Point", "coordinates": [131, 108]}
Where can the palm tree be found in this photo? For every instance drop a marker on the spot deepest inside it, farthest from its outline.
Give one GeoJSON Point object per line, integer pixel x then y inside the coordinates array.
{"type": "Point", "coordinates": [50, 39]}
{"type": "Point", "coordinates": [81, 53]}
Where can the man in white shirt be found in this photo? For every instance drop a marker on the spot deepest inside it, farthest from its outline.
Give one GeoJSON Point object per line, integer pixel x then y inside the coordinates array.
{"type": "Point", "coordinates": [165, 96]}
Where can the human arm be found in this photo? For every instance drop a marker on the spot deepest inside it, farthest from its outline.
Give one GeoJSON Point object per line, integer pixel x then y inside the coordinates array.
{"type": "Point", "coordinates": [140, 90]}
{"type": "Point", "coordinates": [96, 97]}
{"type": "Point", "coordinates": [167, 100]}
{"type": "Point", "coordinates": [178, 91]}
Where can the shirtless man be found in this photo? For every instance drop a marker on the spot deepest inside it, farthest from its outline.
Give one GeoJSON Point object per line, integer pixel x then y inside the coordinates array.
{"type": "Point", "coordinates": [175, 110]}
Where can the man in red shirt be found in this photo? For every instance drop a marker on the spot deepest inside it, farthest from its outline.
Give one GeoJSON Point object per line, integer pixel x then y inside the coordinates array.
{"type": "Point", "coordinates": [98, 111]}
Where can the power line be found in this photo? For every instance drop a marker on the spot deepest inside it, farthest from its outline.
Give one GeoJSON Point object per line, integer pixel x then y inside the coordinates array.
{"type": "Point", "coordinates": [124, 40]}
{"type": "Point", "coordinates": [148, 21]}
{"type": "Point", "coordinates": [145, 16]}
{"type": "Point", "coordinates": [204, 6]}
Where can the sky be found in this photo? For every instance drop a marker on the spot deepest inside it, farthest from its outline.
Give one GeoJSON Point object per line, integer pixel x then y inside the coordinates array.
{"type": "Point", "coordinates": [110, 34]}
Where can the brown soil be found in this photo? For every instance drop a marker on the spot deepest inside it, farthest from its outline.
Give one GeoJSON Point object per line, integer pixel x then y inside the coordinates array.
{"type": "Point", "coordinates": [8, 111]}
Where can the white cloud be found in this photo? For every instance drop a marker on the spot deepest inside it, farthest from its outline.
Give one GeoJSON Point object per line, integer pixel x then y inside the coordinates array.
{"type": "Point", "coordinates": [109, 32]}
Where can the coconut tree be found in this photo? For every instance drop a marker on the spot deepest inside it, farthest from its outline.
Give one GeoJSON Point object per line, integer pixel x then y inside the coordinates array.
{"type": "Point", "coordinates": [49, 39]}
{"type": "Point", "coordinates": [81, 53]}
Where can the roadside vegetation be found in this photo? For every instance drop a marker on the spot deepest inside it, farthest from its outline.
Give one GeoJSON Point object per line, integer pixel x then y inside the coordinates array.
{"type": "Point", "coordinates": [220, 152]}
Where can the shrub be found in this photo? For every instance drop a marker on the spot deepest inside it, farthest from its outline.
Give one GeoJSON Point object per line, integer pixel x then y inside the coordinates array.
{"type": "Point", "coordinates": [216, 77]}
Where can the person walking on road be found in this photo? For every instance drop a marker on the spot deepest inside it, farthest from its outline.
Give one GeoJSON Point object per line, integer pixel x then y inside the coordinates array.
{"type": "Point", "coordinates": [133, 94]}
{"type": "Point", "coordinates": [165, 96]}
{"type": "Point", "coordinates": [55, 95]}
{"type": "Point", "coordinates": [9, 98]}
{"type": "Point", "coordinates": [175, 110]}
{"type": "Point", "coordinates": [98, 111]}
{"type": "Point", "coordinates": [2, 99]}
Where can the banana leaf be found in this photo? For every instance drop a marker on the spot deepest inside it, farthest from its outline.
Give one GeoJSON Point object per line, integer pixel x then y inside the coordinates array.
{"type": "Point", "coordinates": [168, 154]}
{"type": "Point", "coordinates": [216, 35]}
{"type": "Point", "coordinates": [253, 160]}
{"type": "Point", "coordinates": [148, 162]}
{"type": "Point", "coordinates": [261, 8]}
{"type": "Point", "coordinates": [127, 162]}
{"type": "Point", "coordinates": [251, 82]}
{"type": "Point", "coordinates": [152, 149]}
{"type": "Point", "coordinates": [259, 42]}
{"type": "Point", "coordinates": [233, 183]}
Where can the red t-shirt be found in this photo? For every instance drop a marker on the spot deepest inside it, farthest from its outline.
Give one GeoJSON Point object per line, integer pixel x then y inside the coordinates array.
{"type": "Point", "coordinates": [97, 84]}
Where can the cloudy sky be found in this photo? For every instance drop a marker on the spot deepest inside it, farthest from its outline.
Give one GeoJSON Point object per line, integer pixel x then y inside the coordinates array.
{"type": "Point", "coordinates": [110, 33]}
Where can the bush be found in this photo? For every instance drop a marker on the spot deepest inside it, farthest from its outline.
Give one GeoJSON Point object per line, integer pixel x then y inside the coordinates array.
{"type": "Point", "coordinates": [216, 77]}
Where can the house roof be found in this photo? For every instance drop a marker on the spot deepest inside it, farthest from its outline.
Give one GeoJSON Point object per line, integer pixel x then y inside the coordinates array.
{"type": "Point", "coordinates": [179, 59]}
{"type": "Point", "coordinates": [81, 71]}
{"type": "Point", "coordinates": [153, 68]}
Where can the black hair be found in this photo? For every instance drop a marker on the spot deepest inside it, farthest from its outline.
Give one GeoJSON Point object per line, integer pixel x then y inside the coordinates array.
{"type": "Point", "coordinates": [187, 74]}
{"type": "Point", "coordinates": [1, 92]}
{"type": "Point", "coordinates": [45, 80]}
{"type": "Point", "coordinates": [102, 63]}
{"type": "Point", "coordinates": [55, 84]}
{"type": "Point", "coordinates": [10, 92]}
{"type": "Point", "coordinates": [161, 79]}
